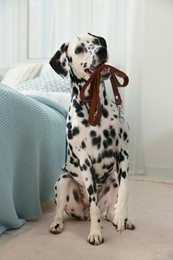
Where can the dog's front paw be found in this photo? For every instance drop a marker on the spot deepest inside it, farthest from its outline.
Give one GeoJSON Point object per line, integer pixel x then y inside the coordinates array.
{"type": "Point", "coordinates": [56, 227]}
{"type": "Point", "coordinates": [120, 220]}
{"type": "Point", "coordinates": [95, 239]}
{"type": "Point", "coordinates": [130, 225]}
{"type": "Point", "coordinates": [122, 224]}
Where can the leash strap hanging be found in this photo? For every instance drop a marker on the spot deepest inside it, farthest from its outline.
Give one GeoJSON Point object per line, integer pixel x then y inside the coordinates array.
{"type": "Point", "coordinates": [93, 98]}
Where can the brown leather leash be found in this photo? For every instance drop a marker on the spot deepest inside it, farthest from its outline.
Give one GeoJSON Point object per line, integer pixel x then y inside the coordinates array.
{"type": "Point", "coordinates": [93, 98]}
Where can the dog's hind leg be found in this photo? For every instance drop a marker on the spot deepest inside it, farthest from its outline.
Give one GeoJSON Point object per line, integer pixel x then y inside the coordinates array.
{"type": "Point", "coordinates": [68, 198]}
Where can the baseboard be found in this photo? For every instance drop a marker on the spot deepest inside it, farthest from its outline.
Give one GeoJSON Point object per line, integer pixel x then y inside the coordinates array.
{"type": "Point", "coordinates": [136, 172]}
{"type": "Point", "coordinates": [155, 174]}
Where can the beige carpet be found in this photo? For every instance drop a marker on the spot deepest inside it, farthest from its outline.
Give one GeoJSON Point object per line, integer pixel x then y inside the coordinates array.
{"type": "Point", "coordinates": [150, 206]}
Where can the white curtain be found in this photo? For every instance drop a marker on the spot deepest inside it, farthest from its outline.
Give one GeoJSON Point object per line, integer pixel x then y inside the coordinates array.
{"type": "Point", "coordinates": [5, 33]}
{"type": "Point", "coordinates": [54, 22]}
{"type": "Point", "coordinates": [60, 20]}
{"type": "Point", "coordinates": [135, 21]}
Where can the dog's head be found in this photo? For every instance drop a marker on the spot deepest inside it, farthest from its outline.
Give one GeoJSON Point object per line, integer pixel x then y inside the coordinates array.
{"type": "Point", "coordinates": [79, 57]}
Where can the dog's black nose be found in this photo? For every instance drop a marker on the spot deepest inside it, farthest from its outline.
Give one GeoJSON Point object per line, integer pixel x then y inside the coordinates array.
{"type": "Point", "coordinates": [101, 52]}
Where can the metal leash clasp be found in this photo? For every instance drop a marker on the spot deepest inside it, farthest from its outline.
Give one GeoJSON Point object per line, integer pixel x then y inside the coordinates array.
{"type": "Point", "coordinates": [120, 114]}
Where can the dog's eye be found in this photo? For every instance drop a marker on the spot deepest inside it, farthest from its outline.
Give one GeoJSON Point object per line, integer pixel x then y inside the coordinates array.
{"type": "Point", "coordinates": [79, 50]}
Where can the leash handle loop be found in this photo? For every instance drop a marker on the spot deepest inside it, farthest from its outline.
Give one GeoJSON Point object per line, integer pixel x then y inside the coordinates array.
{"type": "Point", "coordinates": [93, 98]}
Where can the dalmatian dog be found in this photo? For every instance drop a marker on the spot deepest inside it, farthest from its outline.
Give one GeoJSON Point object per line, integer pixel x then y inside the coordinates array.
{"type": "Point", "coordinates": [94, 179]}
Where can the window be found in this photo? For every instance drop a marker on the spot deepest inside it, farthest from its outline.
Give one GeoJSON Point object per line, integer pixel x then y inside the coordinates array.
{"type": "Point", "coordinates": [35, 29]}
{"type": "Point", "coordinates": [51, 23]}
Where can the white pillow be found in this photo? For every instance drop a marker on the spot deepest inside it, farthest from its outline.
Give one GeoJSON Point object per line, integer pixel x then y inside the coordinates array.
{"type": "Point", "coordinates": [21, 73]}
{"type": "Point", "coordinates": [62, 98]}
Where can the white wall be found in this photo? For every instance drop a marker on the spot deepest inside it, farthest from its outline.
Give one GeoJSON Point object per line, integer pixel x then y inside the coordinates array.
{"type": "Point", "coordinates": [157, 87]}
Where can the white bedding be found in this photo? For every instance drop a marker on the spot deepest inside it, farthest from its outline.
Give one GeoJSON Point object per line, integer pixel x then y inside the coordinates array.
{"type": "Point", "coordinates": [21, 73]}
{"type": "Point", "coordinates": [62, 98]}
{"type": "Point", "coordinates": [38, 79]}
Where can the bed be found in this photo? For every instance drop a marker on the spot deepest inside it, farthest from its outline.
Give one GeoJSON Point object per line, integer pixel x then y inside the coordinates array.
{"type": "Point", "coordinates": [33, 114]}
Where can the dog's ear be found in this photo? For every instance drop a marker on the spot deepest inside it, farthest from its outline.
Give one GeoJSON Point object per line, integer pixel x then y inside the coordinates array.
{"type": "Point", "coordinates": [59, 62]}
{"type": "Point", "coordinates": [101, 39]}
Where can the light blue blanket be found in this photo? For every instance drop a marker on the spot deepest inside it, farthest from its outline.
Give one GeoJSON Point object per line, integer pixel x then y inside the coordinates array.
{"type": "Point", "coordinates": [32, 152]}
